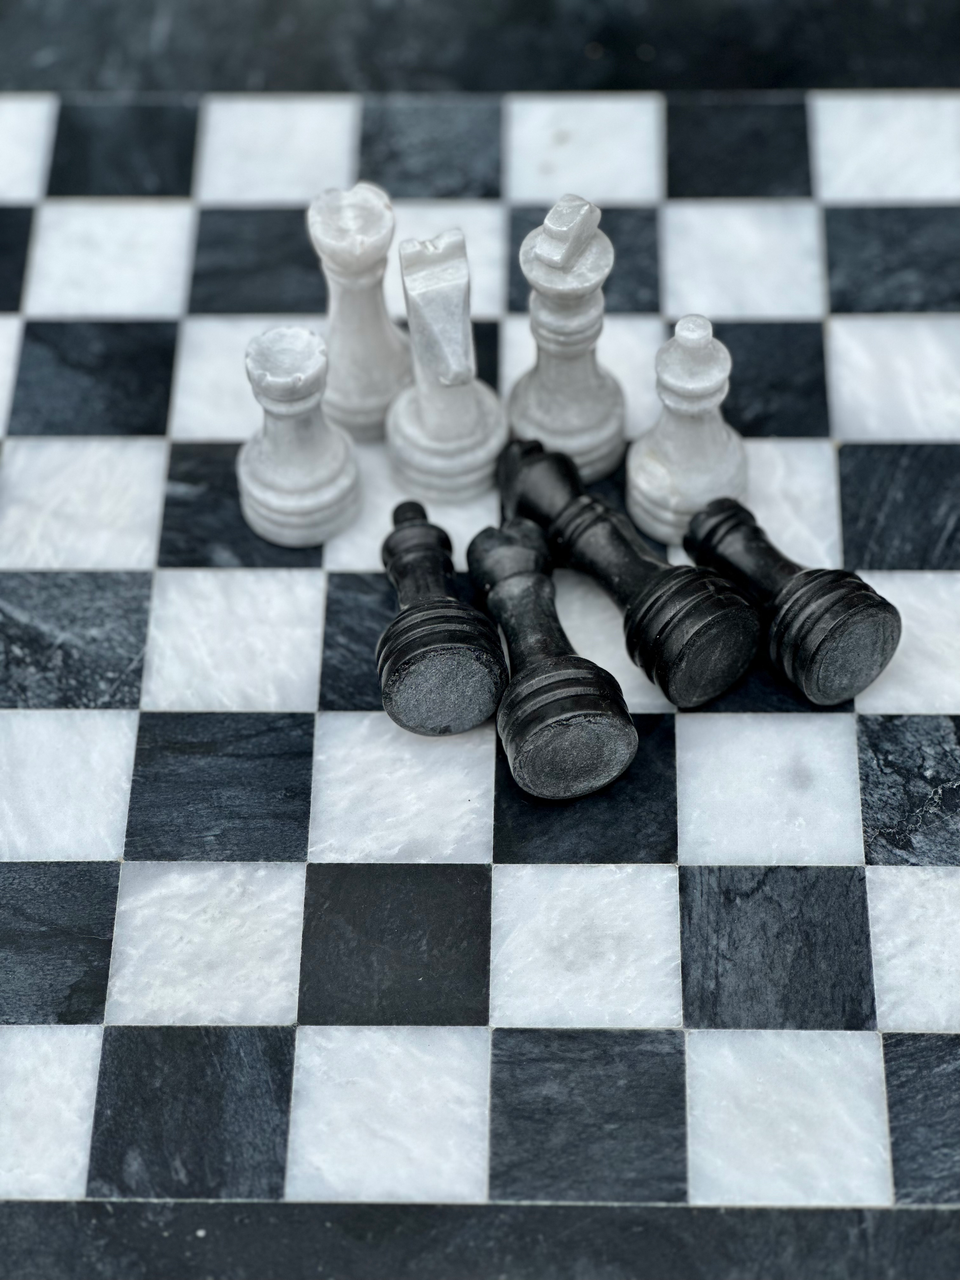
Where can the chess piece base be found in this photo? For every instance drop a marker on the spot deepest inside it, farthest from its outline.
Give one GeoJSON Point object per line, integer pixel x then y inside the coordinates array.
{"type": "Point", "coordinates": [596, 448]}
{"type": "Point", "coordinates": [363, 422]}
{"type": "Point", "coordinates": [302, 516]}
{"type": "Point", "coordinates": [663, 494]}
{"type": "Point", "coordinates": [450, 470]}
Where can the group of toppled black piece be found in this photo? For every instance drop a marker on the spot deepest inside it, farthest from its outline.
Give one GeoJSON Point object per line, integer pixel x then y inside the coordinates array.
{"type": "Point", "coordinates": [693, 630]}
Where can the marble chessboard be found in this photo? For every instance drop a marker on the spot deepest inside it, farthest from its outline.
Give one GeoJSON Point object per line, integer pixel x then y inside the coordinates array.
{"type": "Point", "coordinates": [287, 992]}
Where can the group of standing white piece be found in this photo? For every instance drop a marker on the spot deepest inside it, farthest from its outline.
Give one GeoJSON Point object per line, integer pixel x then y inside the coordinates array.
{"type": "Point", "coordinates": [298, 477]}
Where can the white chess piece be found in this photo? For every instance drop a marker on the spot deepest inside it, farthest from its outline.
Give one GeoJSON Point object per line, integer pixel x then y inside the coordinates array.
{"type": "Point", "coordinates": [691, 455]}
{"type": "Point", "coordinates": [298, 477]}
{"type": "Point", "coordinates": [369, 356]}
{"type": "Point", "coordinates": [445, 432]}
{"type": "Point", "coordinates": [567, 401]}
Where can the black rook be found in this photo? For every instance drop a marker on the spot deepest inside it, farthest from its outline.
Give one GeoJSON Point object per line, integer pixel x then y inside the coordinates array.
{"type": "Point", "coordinates": [828, 630]}
{"type": "Point", "coordinates": [440, 661]}
{"type": "Point", "coordinates": [563, 722]}
{"type": "Point", "coordinates": [688, 629]}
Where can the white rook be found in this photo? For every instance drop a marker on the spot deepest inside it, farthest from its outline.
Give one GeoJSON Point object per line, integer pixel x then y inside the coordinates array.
{"type": "Point", "coordinates": [445, 432]}
{"type": "Point", "coordinates": [567, 401]}
{"type": "Point", "coordinates": [298, 477]}
{"type": "Point", "coordinates": [691, 455]}
{"type": "Point", "coordinates": [369, 356]}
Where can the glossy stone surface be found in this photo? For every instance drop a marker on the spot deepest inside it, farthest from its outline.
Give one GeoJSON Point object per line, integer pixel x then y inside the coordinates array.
{"type": "Point", "coordinates": [923, 1099]}
{"type": "Point", "coordinates": [778, 386]}
{"type": "Point", "coordinates": [905, 259]}
{"type": "Point", "coordinates": [429, 147]}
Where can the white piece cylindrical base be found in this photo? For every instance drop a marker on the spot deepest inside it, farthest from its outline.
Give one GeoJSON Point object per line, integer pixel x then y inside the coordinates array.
{"type": "Point", "coordinates": [662, 496]}
{"type": "Point", "coordinates": [303, 517]}
{"type": "Point", "coordinates": [450, 470]}
{"type": "Point", "coordinates": [596, 448]}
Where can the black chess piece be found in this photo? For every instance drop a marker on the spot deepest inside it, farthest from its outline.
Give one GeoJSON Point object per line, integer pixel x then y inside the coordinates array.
{"type": "Point", "coordinates": [563, 721]}
{"type": "Point", "coordinates": [441, 663]}
{"type": "Point", "coordinates": [828, 631]}
{"type": "Point", "coordinates": [691, 631]}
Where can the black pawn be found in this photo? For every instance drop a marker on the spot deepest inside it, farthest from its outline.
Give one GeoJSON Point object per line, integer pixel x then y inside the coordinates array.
{"type": "Point", "coordinates": [828, 631]}
{"type": "Point", "coordinates": [563, 722]}
{"type": "Point", "coordinates": [440, 661]}
{"type": "Point", "coordinates": [691, 631]}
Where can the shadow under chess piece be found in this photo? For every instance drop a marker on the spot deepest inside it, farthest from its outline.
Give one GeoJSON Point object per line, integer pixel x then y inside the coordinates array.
{"type": "Point", "coordinates": [691, 455]}
{"type": "Point", "coordinates": [829, 632]}
{"type": "Point", "coordinates": [563, 721]}
{"type": "Point", "coordinates": [369, 356]}
{"type": "Point", "coordinates": [297, 477]}
{"type": "Point", "coordinates": [567, 400]}
{"type": "Point", "coordinates": [689, 630]}
{"type": "Point", "coordinates": [440, 661]}
{"type": "Point", "coordinates": [444, 432]}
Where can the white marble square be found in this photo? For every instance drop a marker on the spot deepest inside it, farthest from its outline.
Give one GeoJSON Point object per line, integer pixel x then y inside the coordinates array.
{"type": "Point", "coordinates": [742, 259]}
{"type": "Point", "coordinates": [276, 149]}
{"type": "Point", "coordinates": [234, 640]}
{"type": "Point", "coordinates": [87, 503]}
{"type": "Point", "coordinates": [381, 794]}
{"type": "Point", "coordinates": [768, 789]}
{"type": "Point", "coordinates": [894, 147]}
{"type": "Point", "coordinates": [126, 258]}
{"type": "Point", "coordinates": [793, 490]}
{"type": "Point", "coordinates": [606, 147]}
{"type": "Point", "coordinates": [211, 397]}
{"type": "Point", "coordinates": [594, 626]}
{"type": "Point", "coordinates": [787, 1118]}
{"type": "Point", "coordinates": [923, 677]}
{"type": "Point", "coordinates": [389, 1114]}
{"type": "Point", "coordinates": [48, 1089]}
{"type": "Point", "coordinates": [11, 333]}
{"type": "Point", "coordinates": [627, 348]}
{"type": "Point", "coordinates": [64, 784]}
{"type": "Point", "coordinates": [27, 125]}
{"type": "Point", "coordinates": [915, 942]}
{"type": "Point", "coordinates": [894, 377]}
{"type": "Point", "coordinates": [585, 947]}
{"type": "Point", "coordinates": [357, 549]}
{"type": "Point", "coordinates": [484, 225]}
{"type": "Point", "coordinates": [206, 943]}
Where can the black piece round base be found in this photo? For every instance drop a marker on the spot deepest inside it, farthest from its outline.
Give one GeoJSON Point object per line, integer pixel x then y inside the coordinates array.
{"type": "Point", "coordinates": [692, 634]}
{"type": "Point", "coordinates": [832, 634]}
{"type": "Point", "coordinates": [565, 728]}
{"type": "Point", "coordinates": [441, 668]}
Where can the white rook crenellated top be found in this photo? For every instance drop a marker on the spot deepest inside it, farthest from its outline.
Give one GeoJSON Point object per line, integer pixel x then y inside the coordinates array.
{"type": "Point", "coordinates": [298, 477]}
{"type": "Point", "coordinates": [369, 356]}
{"type": "Point", "coordinates": [691, 455]}
{"type": "Point", "coordinates": [444, 432]}
{"type": "Point", "coordinates": [566, 400]}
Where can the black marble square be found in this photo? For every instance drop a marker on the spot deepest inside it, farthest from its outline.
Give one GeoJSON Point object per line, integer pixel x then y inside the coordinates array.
{"type": "Point", "coordinates": [255, 260]}
{"type": "Point", "coordinates": [432, 145]}
{"type": "Point", "coordinates": [123, 149]}
{"type": "Point", "coordinates": [923, 1101]}
{"type": "Point", "coordinates": [778, 386]}
{"type": "Point", "coordinates": [94, 379]}
{"type": "Point", "coordinates": [910, 790]}
{"type": "Point", "coordinates": [56, 933]}
{"type": "Point", "coordinates": [899, 506]}
{"type": "Point", "coordinates": [733, 149]}
{"type": "Point", "coordinates": [632, 820]}
{"type": "Point", "coordinates": [72, 639]}
{"type": "Point", "coordinates": [388, 944]}
{"type": "Point", "coordinates": [894, 259]}
{"type": "Point", "coordinates": [763, 688]}
{"type": "Point", "coordinates": [192, 1113]}
{"type": "Point", "coordinates": [486, 341]}
{"type": "Point", "coordinates": [14, 237]}
{"type": "Point", "coordinates": [359, 608]}
{"type": "Point", "coordinates": [588, 1115]}
{"type": "Point", "coordinates": [203, 526]}
{"type": "Point", "coordinates": [776, 948]}
{"type": "Point", "coordinates": [214, 787]}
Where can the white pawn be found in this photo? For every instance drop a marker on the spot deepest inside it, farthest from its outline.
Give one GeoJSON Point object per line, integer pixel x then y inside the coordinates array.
{"type": "Point", "coordinates": [566, 400]}
{"type": "Point", "coordinates": [298, 477]}
{"type": "Point", "coordinates": [691, 455]}
{"type": "Point", "coordinates": [445, 432]}
{"type": "Point", "coordinates": [369, 356]}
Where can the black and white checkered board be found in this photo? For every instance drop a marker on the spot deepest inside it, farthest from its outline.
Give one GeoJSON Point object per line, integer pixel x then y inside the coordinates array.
{"type": "Point", "coordinates": [253, 952]}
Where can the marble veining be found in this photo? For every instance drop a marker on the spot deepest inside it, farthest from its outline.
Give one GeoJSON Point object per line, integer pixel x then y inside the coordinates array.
{"type": "Point", "coordinates": [255, 260]}
{"type": "Point", "coordinates": [778, 384]}
{"type": "Point", "coordinates": [923, 677]}
{"type": "Point", "coordinates": [737, 149]}
{"type": "Point", "coordinates": [359, 608]}
{"type": "Point", "coordinates": [441, 146]}
{"type": "Point", "coordinates": [123, 149]}
{"type": "Point", "coordinates": [899, 259]}
{"type": "Point", "coordinates": [923, 1102]}
{"type": "Point", "coordinates": [389, 1113]}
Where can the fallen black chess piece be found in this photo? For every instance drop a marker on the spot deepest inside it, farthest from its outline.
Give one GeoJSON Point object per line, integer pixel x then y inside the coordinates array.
{"type": "Point", "coordinates": [440, 661]}
{"type": "Point", "coordinates": [688, 628]}
{"type": "Point", "coordinates": [827, 630]}
{"type": "Point", "coordinates": [563, 721]}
